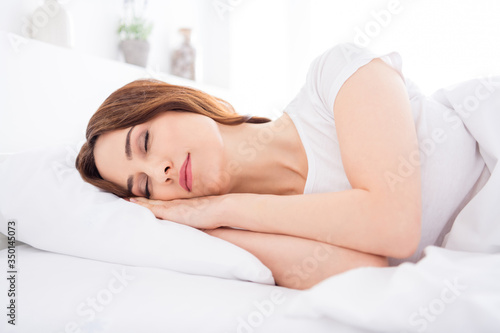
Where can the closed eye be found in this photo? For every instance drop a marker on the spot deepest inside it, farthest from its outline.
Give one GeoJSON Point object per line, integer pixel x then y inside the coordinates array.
{"type": "Point", "coordinates": [146, 139]}
{"type": "Point", "coordinates": [147, 189]}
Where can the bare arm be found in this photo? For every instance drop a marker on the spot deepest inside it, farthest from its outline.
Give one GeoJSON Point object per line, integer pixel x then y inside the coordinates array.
{"type": "Point", "coordinates": [381, 213]}
{"type": "Point", "coordinates": [297, 263]}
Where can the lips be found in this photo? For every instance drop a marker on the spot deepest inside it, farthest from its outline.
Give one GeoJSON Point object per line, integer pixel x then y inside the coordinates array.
{"type": "Point", "coordinates": [186, 177]}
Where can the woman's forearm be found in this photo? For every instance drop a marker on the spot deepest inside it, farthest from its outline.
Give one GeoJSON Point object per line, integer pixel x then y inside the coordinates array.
{"type": "Point", "coordinates": [352, 219]}
{"type": "Point", "coordinates": [297, 263]}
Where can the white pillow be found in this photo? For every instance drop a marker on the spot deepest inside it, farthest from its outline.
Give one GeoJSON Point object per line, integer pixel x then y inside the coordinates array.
{"type": "Point", "coordinates": [55, 210]}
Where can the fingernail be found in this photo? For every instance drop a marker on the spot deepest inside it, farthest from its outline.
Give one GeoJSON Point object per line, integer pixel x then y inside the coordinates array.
{"type": "Point", "coordinates": [132, 200]}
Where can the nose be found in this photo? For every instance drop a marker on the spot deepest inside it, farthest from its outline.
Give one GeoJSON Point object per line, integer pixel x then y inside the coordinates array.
{"type": "Point", "coordinates": [162, 172]}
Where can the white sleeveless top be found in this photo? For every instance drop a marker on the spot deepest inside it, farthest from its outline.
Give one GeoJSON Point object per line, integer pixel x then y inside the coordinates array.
{"type": "Point", "coordinates": [451, 163]}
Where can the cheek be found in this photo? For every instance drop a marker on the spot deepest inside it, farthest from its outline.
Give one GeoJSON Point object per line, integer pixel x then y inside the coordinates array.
{"type": "Point", "coordinates": [202, 134]}
{"type": "Point", "coordinates": [205, 129]}
{"type": "Point", "coordinates": [167, 194]}
{"type": "Point", "coordinates": [211, 170]}
{"type": "Point", "coordinates": [192, 131]}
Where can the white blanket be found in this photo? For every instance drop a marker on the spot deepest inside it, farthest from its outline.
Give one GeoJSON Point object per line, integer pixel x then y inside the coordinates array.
{"type": "Point", "coordinates": [456, 289]}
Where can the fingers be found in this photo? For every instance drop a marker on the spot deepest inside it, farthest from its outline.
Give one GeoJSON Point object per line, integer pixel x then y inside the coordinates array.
{"type": "Point", "coordinates": [171, 210]}
{"type": "Point", "coordinates": [141, 200]}
{"type": "Point", "coordinates": [154, 208]}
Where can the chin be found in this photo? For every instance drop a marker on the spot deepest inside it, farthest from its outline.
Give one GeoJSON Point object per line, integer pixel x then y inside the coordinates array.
{"type": "Point", "coordinates": [213, 188]}
{"type": "Point", "coordinates": [216, 185]}
{"type": "Point", "coordinates": [215, 179]}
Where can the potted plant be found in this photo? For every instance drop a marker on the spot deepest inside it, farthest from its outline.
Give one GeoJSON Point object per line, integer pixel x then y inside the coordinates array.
{"type": "Point", "coordinates": [134, 44]}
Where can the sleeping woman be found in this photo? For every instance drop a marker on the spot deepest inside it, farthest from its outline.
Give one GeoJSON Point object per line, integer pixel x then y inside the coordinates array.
{"type": "Point", "coordinates": [360, 170]}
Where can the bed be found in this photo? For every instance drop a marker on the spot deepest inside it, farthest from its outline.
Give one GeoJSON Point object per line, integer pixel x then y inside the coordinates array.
{"type": "Point", "coordinates": [86, 261]}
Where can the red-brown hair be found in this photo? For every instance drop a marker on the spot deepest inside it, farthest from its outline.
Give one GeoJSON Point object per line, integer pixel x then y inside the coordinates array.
{"type": "Point", "coordinates": [140, 101]}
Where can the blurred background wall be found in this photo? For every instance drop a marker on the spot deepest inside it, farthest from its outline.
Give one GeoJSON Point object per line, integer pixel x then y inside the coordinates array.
{"type": "Point", "coordinates": [261, 49]}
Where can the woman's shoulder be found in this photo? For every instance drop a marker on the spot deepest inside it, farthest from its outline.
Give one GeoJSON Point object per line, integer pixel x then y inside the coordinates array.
{"type": "Point", "coordinates": [342, 53]}
{"type": "Point", "coordinates": [328, 71]}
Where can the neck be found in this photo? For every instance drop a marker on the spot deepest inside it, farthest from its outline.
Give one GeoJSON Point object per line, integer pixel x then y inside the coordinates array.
{"type": "Point", "coordinates": [263, 158]}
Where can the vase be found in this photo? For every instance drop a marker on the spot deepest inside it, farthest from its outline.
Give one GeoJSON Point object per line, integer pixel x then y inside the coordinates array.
{"type": "Point", "coordinates": [183, 60]}
{"type": "Point", "coordinates": [136, 51]}
{"type": "Point", "coordinates": [51, 23]}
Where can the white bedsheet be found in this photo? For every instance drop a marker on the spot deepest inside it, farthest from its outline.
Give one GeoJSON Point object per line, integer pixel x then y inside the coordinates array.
{"type": "Point", "coordinates": [59, 293]}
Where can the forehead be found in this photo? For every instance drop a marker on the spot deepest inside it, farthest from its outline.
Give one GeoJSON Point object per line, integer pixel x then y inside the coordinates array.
{"type": "Point", "coordinates": [110, 158]}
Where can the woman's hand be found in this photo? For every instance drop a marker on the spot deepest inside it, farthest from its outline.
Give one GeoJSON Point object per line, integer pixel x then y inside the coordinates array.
{"type": "Point", "coordinates": [202, 213]}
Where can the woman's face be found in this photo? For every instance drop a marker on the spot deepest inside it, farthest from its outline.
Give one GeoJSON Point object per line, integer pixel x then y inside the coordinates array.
{"type": "Point", "coordinates": [174, 155]}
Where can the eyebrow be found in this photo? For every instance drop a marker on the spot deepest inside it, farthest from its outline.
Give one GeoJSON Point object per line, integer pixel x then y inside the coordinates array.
{"type": "Point", "coordinates": [128, 152]}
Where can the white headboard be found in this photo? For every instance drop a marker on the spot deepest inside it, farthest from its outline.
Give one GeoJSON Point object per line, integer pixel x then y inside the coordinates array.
{"type": "Point", "coordinates": [48, 93]}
